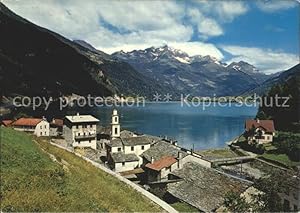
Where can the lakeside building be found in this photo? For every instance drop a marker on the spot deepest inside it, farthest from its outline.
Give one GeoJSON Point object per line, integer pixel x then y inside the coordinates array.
{"type": "Point", "coordinates": [124, 148]}
{"type": "Point", "coordinates": [6, 123]}
{"type": "Point", "coordinates": [160, 169]}
{"type": "Point", "coordinates": [260, 131]}
{"type": "Point", "coordinates": [37, 126]}
{"type": "Point", "coordinates": [123, 154]}
{"type": "Point", "coordinates": [56, 127]}
{"type": "Point", "coordinates": [81, 130]}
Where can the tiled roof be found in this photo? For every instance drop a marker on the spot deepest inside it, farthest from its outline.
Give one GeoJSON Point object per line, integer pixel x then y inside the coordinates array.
{"type": "Point", "coordinates": [162, 163]}
{"type": "Point", "coordinates": [268, 125]}
{"type": "Point", "coordinates": [120, 157]}
{"type": "Point", "coordinates": [162, 149]}
{"type": "Point", "coordinates": [7, 122]}
{"type": "Point", "coordinates": [204, 188]}
{"type": "Point", "coordinates": [57, 122]}
{"type": "Point", "coordinates": [27, 122]}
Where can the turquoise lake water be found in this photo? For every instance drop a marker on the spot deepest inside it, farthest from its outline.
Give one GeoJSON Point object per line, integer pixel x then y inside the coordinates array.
{"type": "Point", "coordinates": [205, 128]}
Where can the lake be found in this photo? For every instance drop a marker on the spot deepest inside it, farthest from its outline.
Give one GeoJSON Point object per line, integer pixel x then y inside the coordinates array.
{"type": "Point", "coordinates": [205, 128]}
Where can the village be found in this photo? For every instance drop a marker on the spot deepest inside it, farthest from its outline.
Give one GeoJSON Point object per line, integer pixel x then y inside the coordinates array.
{"type": "Point", "coordinates": [160, 165]}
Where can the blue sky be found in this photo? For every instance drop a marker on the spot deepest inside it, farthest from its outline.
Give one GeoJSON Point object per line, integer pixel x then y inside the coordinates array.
{"type": "Point", "coordinates": [262, 32]}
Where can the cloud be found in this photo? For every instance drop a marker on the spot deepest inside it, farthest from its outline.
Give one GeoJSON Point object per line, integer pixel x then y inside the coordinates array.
{"type": "Point", "coordinates": [276, 5]}
{"type": "Point", "coordinates": [225, 11]}
{"type": "Point", "coordinates": [111, 25]}
{"type": "Point", "coordinates": [266, 60]}
{"type": "Point", "coordinates": [207, 27]}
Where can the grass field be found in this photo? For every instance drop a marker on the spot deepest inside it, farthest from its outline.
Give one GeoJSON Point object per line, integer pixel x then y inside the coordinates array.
{"type": "Point", "coordinates": [32, 181]}
{"type": "Point", "coordinates": [218, 153]}
{"type": "Point", "coordinates": [281, 159]}
{"type": "Point", "coordinates": [183, 207]}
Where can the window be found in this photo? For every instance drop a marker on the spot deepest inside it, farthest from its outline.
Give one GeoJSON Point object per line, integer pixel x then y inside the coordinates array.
{"type": "Point", "coordinates": [78, 133]}
{"type": "Point", "coordinates": [132, 148]}
{"type": "Point", "coordinates": [45, 133]}
{"type": "Point", "coordinates": [76, 126]}
{"type": "Point", "coordinates": [119, 149]}
{"type": "Point", "coordinates": [123, 163]}
{"type": "Point", "coordinates": [116, 119]}
{"type": "Point", "coordinates": [295, 208]}
{"type": "Point", "coordinates": [143, 147]}
{"type": "Point", "coordinates": [286, 205]}
{"type": "Point", "coordinates": [41, 127]}
{"type": "Point", "coordinates": [116, 130]}
{"type": "Point", "coordinates": [45, 127]}
{"type": "Point", "coordinates": [90, 141]}
{"type": "Point", "coordinates": [91, 126]}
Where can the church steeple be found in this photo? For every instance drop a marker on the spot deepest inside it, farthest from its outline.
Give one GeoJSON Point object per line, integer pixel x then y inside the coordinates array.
{"type": "Point", "coordinates": [115, 125]}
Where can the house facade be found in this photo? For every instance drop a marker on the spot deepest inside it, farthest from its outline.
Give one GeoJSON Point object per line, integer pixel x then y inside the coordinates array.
{"type": "Point", "coordinates": [37, 126]}
{"type": "Point", "coordinates": [160, 169]}
{"type": "Point", "coordinates": [81, 131]}
{"type": "Point", "coordinates": [56, 127]}
{"type": "Point", "coordinates": [259, 131]}
{"type": "Point", "coordinates": [117, 159]}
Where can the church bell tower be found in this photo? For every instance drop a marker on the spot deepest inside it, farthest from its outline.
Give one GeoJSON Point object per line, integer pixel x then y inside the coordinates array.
{"type": "Point", "coordinates": [115, 125]}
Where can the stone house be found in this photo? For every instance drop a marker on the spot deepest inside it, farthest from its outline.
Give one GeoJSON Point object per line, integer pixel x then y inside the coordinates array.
{"type": "Point", "coordinates": [81, 131]}
{"type": "Point", "coordinates": [126, 149]}
{"type": "Point", "coordinates": [56, 127]}
{"type": "Point", "coordinates": [260, 131]}
{"type": "Point", "coordinates": [37, 126]}
{"type": "Point", "coordinates": [160, 169]}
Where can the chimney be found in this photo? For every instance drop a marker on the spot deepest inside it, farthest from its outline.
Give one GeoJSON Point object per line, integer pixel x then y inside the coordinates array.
{"type": "Point", "coordinates": [44, 118]}
{"type": "Point", "coordinates": [179, 160]}
{"type": "Point", "coordinates": [152, 159]}
{"type": "Point", "coordinates": [257, 120]}
{"type": "Point", "coordinates": [77, 114]}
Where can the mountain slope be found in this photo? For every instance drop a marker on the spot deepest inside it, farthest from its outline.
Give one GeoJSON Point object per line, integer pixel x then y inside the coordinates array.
{"type": "Point", "coordinates": [36, 61]}
{"type": "Point", "coordinates": [197, 75]}
{"type": "Point", "coordinates": [283, 77]}
{"type": "Point", "coordinates": [33, 181]}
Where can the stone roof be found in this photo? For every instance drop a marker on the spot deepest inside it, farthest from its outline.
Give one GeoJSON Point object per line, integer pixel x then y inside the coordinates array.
{"type": "Point", "coordinates": [138, 140]}
{"type": "Point", "coordinates": [204, 188]}
{"type": "Point", "coordinates": [268, 125]}
{"type": "Point", "coordinates": [120, 157]}
{"type": "Point", "coordinates": [82, 119]}
{"type": "Point", "coordinates": [126, 134]}
{"type": "Point", "coordinates": [162, 163]}
{"type": "Point", "coordinates": [162, 149]}
{"type": "Point", "coordinates": [115, 143]}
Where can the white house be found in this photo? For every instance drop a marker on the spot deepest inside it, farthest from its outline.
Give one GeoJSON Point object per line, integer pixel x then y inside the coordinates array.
{"type": "Point", "coordinates": [260, 131]}
{"type": "Point", "coordinates": [81, 131]}
{"type": "Point", "coordinates": [37, 126]}
{"type": "Point", "coordinates": [129, 147]}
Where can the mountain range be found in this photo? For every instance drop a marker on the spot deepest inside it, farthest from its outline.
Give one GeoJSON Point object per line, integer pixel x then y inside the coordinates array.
{"type": "Point", "coordinates": [196, 75]}
{"type": "Point", "coordinates": [36, 61]}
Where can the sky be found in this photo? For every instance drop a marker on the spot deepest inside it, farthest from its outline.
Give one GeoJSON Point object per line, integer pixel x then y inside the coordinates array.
{"type": "Point", "coordinates": [264, 33]}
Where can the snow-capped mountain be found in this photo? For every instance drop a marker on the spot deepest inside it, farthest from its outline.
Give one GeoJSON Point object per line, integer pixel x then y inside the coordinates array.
{"type": "Point", "coordinates": [196, 75]}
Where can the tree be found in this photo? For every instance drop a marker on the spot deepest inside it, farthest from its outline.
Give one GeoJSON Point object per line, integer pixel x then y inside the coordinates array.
{"type": "Point", "coordinates": [235, 203]}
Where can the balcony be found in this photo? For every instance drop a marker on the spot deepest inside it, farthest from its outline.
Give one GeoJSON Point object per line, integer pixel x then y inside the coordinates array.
{"type": "Point", "coordinates": [87, 136]}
